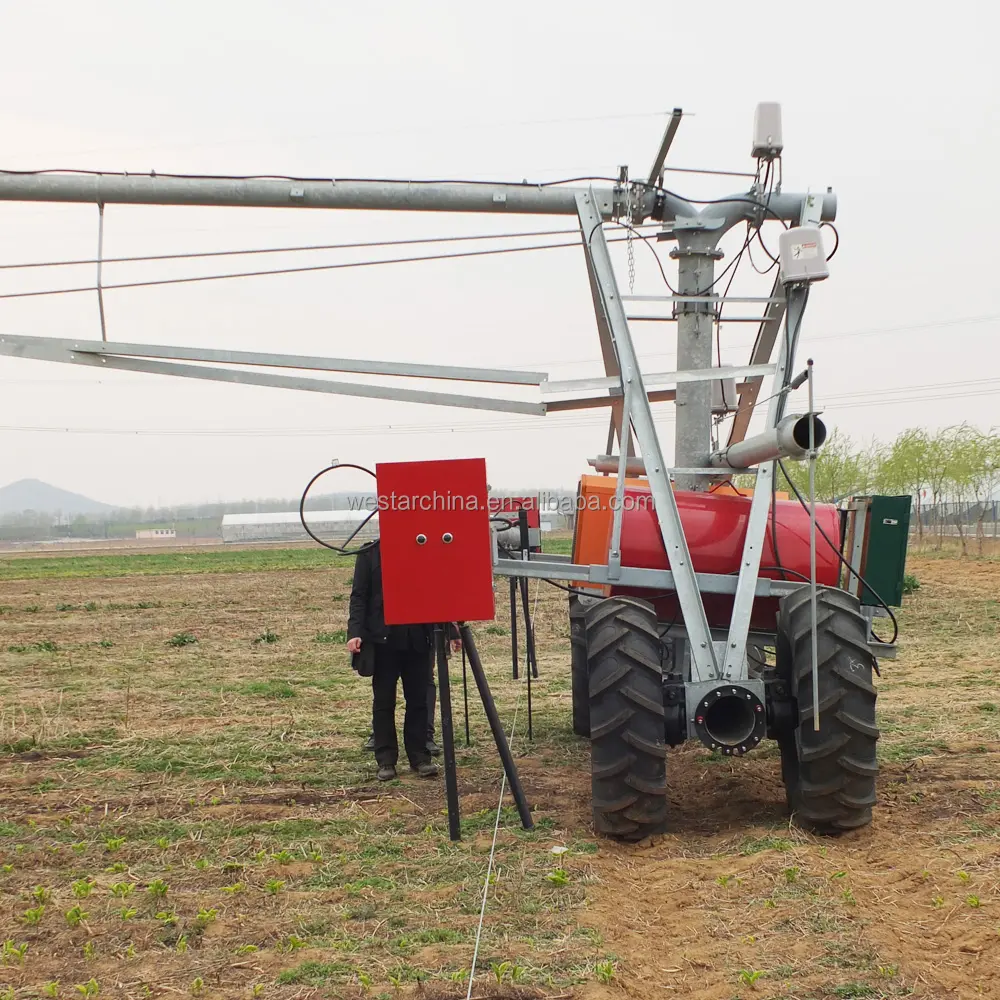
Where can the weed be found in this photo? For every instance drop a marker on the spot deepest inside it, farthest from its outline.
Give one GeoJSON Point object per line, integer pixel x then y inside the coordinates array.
{"type": "Point", "coordinates": [605, 971]}
{"type": "Point", "coordinates": [182, 944]}
{"type": "Point", "coordinates": [910, 583]}
{"type": "Point", "coordinates": [246, 949]}
{"type": "Point", "coordinates": [34, 917]}
{"type": "Point", "coordinates": [181, 639]}
{"type": "Point", "coordinates": [973, 901]}
{"type": "Point", "coordinates": [33, 609]}
{"type": "Point", "coordinates": [848, 897]}
{"type": "Point", "coordinates": [91, 989]}
{"type": "Point", "coordinates": [273, 886]}
{"type": "Point", "coordinates": [41, 895]}
{"type": "Point", "coordinates": [66, 607]}
{"type": "Point", "coordinates": [558, 877]}
{"type": "Point", "coordinates": [197, 986]}
{"type": "Point", "coordinates": [89, 951]}
{"type": "Point", "coordinates": [290, 943]}
{"type": "Point", "coordinates": [51, 989]}
{"type": "Point", "coordinates": [76, 916]}
{"type": "Point", "coordinates": [91, 606]}
{"type": "Point", "coordinates": [105, 643]}
{"type": "Point", "coordinates": [113, 844]}
{"type": "Point", "coordinates": [337, 638]}
{"type": "Point", "coordinates": [495, 630]}
{"type": "Point", "coordinates": [987, 706]}
{"type": "Point", "coordinates": [233, 889]}
{"type": "Point", "coordinates": [792, 875]}
{"type": "Point", "coordinates": [206, 917]}
{"type": "Point", "coordinates": [749, 977]}
{"type": "Point", "coordinates": [266, 637]}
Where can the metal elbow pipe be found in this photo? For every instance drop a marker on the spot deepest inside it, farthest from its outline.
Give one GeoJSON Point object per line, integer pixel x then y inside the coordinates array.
{"type": "Point", "coordinates": [790, 439]}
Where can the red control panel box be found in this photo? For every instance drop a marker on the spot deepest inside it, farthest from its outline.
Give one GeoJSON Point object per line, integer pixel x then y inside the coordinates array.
{"type": "Point", "coordinates": [434, 526]}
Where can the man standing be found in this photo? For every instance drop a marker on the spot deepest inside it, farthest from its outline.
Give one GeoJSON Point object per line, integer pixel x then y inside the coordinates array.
{"type": "Point", "coordinates": [398, 652]}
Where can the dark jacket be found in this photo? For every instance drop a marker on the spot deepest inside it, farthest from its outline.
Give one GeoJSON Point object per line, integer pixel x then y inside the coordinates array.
{"type": "Point", "coordinates": [366, 615]}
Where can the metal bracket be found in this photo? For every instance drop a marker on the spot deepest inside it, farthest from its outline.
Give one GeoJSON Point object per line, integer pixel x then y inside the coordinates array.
{"type": "Point", "coordinates": [608, 305]}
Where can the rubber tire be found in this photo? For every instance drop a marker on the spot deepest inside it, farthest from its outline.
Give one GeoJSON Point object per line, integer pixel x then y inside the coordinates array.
{"type": "Point", "coordinates": [579, 674]}
{"type": "Point", "coordinates": [628, 736]}
{"type": "Point", "coordinates": [829, 775]}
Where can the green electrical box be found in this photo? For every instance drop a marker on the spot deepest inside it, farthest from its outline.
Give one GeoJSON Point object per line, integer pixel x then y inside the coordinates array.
{"type": "Point", "coordinates": [884, 562]}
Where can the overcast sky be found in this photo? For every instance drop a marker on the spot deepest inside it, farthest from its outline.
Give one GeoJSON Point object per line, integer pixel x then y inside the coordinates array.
{"type": "Point", "coordinates": [895, 109]}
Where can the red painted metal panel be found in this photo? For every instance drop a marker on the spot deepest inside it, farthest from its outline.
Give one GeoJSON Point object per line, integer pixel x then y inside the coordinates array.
{"type": "Point", "coordinates": [715, 526]}
{"type": "Point", "coordinates": [511, 505]}
{"type": "Point", "coordinates": [435, 580]}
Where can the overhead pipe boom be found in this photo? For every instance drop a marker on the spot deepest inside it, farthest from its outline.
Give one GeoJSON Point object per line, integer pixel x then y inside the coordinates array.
{"type": "Point", "coordinates": [789, 439]}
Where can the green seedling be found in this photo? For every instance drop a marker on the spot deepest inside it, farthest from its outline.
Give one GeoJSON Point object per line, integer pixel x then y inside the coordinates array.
{"type": "Point", "coordinates": [274, 886]}
{"type": "Point", "coordinates": [197, 986]}
{"type": "Point", "coordinates": [500, 971]}
{"type": "Point", "coordinates": [162, 843]}
{"type": "Point", "coordinates": [181, 639]}
{"type": "Point", "coordinates": [79, 847]}
{"type": "Point", "coordinates": [91, 989]}
{"type": "Point", "coordinates": [558, 876]}
{"type": "Point", "coordinates": [233, 889]}
{"type": "Point", "coordinates": [41, 895]}
{"type": "Point", "coordinates": [792, 875]}
{"type": "Point", "coordinates": [963, 876]}
{"type": "Point", "coordinates": [11, 952]}
{"type": "Point", "coordinates": [34, 916]}
{"type": "Point", "coordinates": [83, 887]}
{"type": "Point", "coordinates": [749, 977]}
{"type": "Point", "coordinates": [283, 857]}
{"type": "Point", "coordinates": [206, 917]}
{"type": "Point", "coordinates": [291, 943]}
{"type": "Point", "coordinates": [122, 890]}
{"type": "Point", "coordinates": [89, 951]}
{"type": "Point", "coordinates": [182, 944]}
{"type": "Point", "coordinates": [114, 843]}
{"type": "Point", "coordinates": [267, 637]}
{"type": "Point", "coordinates": [51, 989]}
{"type": "Point", "coordinates": [118, 868]}
{"type": "Point", "coordinates": [246, 949]}
{"type": "Point", "coordinates": [166, 918]}
{"type": "Point", "coordinates": [974, 902]}
{"type": "Point", "coordinates": [157, 888]}
{"type": "Point", "coordinates": [76, 916]}
{"type": "Point", "coordinates": [127, 912]}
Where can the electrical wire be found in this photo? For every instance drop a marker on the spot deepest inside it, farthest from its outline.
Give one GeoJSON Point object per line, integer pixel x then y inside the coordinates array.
{"type": "Point", "coordinates": [342, 549]}
{"type": "Point", "coordinates": [836, 549]}
{"type": "Point", "coordinates": [646, 239]}
{"type": "Point", "coordinates": [308, 248]}
{"type": "Point", "coordinates": [836, 245]}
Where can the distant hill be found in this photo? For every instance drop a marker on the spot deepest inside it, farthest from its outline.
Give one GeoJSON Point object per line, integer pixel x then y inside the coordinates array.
{"type": "Point", "coordinates": [33, 494]}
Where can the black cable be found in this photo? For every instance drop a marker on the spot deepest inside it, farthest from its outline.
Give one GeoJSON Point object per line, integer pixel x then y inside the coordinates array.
{"type": "Point", "coordinates": [836, 246]}
{"type": "Point", "coordinates": [342, 549]}
{"type": "Point", "coordinates": [864, 583]}
{"type": "Point", "coordinates": [652, 250]}
{"type": "Point", "coordinates": [296, 270]}
{"type": "Point", "coordinates": [294, 249]}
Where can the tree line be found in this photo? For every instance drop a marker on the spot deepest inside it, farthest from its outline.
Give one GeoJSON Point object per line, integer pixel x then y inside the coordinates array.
{"type": "Point", "coordinates": [955, 465]}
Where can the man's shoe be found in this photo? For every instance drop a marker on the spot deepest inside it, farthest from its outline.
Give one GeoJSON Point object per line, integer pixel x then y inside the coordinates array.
{"type": "Point", "coordinates": [370, 744]}
{"type": "Point", "coordinates": [386, 772]}
{"type": "Point", "coordinates": [433, 749]}
{"type": "Point", "coordinates": [425, 769]}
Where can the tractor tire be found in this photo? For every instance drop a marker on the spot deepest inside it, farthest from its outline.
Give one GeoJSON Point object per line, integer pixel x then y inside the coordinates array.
{"type": "Point", "coordinates": [579, 674]}
{"type": "Point", "coordinates": [627, 727]}
{"type": "Point", "coordinates": [829, 775]}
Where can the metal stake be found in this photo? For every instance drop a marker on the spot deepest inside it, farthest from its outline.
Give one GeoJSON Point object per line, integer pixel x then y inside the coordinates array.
{"type": "Point", "coordinates": [447, 735]}
{"type": "Point", "coordinates": [812, 546]}
{"type": "Point", "coordinates": [499, 736]}
{"type": "Point", "coordinates": [513, 625]}
{"type": "Point", "coordinates": [465, 696]}
{"type": "Point", "coordinates": [100, 262]}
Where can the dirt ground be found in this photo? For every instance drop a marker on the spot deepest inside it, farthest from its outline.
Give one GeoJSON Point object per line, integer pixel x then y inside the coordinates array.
{"type": "Point", "coordinates": [187, 808]}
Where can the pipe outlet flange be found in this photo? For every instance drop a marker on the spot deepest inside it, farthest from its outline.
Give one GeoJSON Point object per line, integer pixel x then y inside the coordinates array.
{"type": "Point", "coordinates": [731, 719]}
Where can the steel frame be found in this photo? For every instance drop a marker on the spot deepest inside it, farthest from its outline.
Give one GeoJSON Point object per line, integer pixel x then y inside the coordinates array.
{"type": "Point", "coordinates": [624, 388]}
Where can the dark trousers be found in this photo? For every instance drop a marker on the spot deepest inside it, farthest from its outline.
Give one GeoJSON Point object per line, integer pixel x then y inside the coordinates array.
{"type": "Point", "coordinates": [391, 666]}
{"type": "Point", "coordinates": [431, 699]}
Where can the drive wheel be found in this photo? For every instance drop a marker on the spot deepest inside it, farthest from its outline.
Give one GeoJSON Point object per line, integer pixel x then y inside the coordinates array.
{"type": "Point", "coordinates": [627, 728]}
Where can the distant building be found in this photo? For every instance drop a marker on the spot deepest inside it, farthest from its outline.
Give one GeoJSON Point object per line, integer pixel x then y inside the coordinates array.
{"type": "Point", "coordinates": [156, 533]}
{"type": "Point", "coordinates": [329, 525]}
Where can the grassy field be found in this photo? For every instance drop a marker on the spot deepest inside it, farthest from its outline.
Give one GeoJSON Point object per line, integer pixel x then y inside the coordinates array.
{"type": "Point", "coordinates": [187, 809]}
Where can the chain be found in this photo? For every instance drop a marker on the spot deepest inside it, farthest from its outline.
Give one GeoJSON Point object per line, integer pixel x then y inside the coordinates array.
{"type": "Point", "coordinates": [630, 245]}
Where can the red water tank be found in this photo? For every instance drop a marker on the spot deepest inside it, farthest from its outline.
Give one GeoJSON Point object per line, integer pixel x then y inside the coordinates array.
{"type": "Point", "coordinates": [715, 526]}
